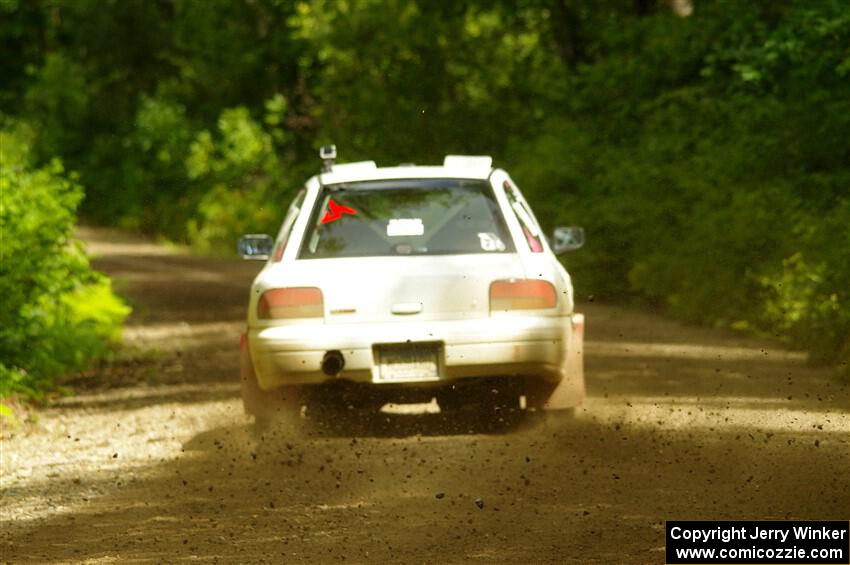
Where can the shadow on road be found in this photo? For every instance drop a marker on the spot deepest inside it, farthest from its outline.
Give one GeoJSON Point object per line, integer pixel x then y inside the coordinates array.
{"type": "Point", "coordinates": [559, 490]}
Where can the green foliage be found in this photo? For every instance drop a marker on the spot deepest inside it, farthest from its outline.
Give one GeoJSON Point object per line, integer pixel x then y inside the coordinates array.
{"type": "Point", "coordinates": [435, 80]}
{"type": "Point", "coordinates": [60, 96]}
{"type": "Point", "coordinates": [707, 155]}
{"type": "Point", "coordinates": [8, 416]}
{"type": "Point", "coordinates": [807, 297]}
{"type": "Point", "coordinates": [722, 197]}
{"type": "Point", "coordinates": [56, 314]}
{"type": "Point", "coordinates": [149, 193]}
{"type": "Point", "coordinates": [243, 175]}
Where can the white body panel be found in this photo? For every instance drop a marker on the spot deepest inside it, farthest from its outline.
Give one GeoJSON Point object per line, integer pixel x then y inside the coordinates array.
{"type": "Point", "coordinates": [441, 300]}
{"type": "Point", "coordinates": [367, 289]}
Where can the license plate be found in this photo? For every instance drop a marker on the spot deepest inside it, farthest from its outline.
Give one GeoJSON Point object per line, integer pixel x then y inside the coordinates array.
{"type": "Point", "coordinates": [408, 363]}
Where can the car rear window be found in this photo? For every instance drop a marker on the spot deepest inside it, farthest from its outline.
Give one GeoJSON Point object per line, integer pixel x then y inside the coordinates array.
{"type": "Point", "coordinates": [406, 217]}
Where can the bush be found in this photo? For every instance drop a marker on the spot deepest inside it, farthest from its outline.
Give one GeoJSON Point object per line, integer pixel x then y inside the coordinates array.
{"type": "Point", "coordinates": [808, 294]}
{"type": "Point", "coordinates": [241, 178]}
{"type": "Point", "coordinates": [732, 230]}
{"type": "Point", "coordinates": [57, 314]}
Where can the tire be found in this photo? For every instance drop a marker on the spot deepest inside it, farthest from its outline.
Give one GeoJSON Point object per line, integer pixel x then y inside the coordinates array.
{"type": "Point", "coordinates": [253, 398]}
{"type": "Point", "coordinates": [457, 399]}
{"type": "Point", "coordinates": [537, 392]}
{"type": "Point", "coordinates": [488, 397]}
{"type": "Point", "coordinates": [339, 399]}
{"type": "Point", "coordinates": [264, 405]}
{"type": "Point", "coordinates": [502, 401]}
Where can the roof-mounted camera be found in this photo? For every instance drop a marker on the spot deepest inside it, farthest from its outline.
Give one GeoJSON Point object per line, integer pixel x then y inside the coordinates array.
{"type": "Point", "coordinates": [328, 155]}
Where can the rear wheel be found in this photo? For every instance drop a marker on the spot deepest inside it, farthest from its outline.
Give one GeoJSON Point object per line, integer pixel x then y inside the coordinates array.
{"type": "Point", "coordinates": [454, 399]}
{"type": "Point", "coordinates": [333, 402]}
{"type": "Point", "coordinates": [264, 405]}
{"type": "Point", "coordinates": [490, 397]}
{"type": "Point", "coordinates": [537, 392]}
{"type": "Point", "coordinates": [269, 407]}
{"type": "Point", "coordinates": [502, 401]}
{"type": "Point", "coordinates": [538, 395]}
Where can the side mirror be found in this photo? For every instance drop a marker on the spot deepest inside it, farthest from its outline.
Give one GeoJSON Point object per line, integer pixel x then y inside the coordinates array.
{"type": "Point", "coordinates": [256, 246]}
{"type": "Point", "coordinates": [567, 239]}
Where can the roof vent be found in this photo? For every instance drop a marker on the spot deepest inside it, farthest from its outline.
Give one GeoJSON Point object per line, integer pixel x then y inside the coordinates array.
{"type": "Point", "coordinates": [469, 161]}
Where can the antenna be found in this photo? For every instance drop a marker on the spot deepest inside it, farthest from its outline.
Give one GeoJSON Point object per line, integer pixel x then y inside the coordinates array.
{"type": "Point", "coordinates": [328, 155]}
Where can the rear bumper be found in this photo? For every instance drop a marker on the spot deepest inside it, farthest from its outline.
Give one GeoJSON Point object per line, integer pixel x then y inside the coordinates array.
{"type": "Point", "coordinates": [531, 346]}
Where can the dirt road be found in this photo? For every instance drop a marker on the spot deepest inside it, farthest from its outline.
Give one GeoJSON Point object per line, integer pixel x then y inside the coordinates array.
{"type": "Point", "coordinates": [153, 461]}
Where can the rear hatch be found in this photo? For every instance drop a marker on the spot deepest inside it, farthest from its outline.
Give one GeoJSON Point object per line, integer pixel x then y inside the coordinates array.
{"type": "Point", "coordinates": [382, 289]}
{"type": "Point", "coordinates": [406, 249]}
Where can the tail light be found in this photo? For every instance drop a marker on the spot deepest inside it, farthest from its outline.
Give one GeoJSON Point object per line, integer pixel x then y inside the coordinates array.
{"type": "Point", "coordinates": [299, 302]}
{"type": "Point", "coordinates": [522, 295]}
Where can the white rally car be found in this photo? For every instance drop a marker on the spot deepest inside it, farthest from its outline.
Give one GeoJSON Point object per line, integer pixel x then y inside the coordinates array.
{"type": "Point", "coordinates": [408, 283]}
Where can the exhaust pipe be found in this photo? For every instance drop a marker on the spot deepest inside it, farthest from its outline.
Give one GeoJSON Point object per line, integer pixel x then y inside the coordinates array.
{"type": "Point", "coordinates": [332, 363]}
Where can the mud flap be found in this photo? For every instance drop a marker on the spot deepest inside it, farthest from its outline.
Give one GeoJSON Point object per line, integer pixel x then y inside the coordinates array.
{"type": "Point", "coordinates": [570, 391]}
{"type": "Point", "coordinates": [257, 401]}
{"type": "Point", "coordinates": [251, 393]}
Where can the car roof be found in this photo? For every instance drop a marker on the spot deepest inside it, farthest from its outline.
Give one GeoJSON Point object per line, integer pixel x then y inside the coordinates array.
{"type": "Point", "coordinates": [460, 167]}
